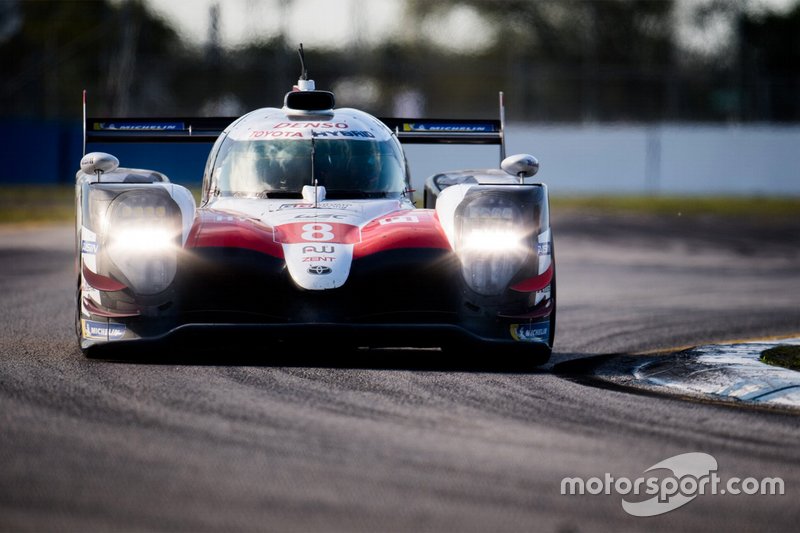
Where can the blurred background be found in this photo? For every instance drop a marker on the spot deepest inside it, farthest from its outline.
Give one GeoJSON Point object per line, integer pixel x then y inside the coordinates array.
{"type": "Point", "coordinates": [613, 96]}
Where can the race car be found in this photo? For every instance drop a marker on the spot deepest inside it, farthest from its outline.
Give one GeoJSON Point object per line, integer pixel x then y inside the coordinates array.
{"type": "Point", "coordinates": [306, 233]}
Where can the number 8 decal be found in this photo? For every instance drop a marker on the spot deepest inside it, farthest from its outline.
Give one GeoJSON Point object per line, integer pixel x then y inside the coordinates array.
{"type": "Point", "coordinates": [317, 232]}
{"type": "Point", "coordinates": [333, 232]}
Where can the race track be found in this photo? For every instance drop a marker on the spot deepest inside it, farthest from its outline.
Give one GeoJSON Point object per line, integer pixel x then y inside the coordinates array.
{"type": "Point", "coordinates": [399, 440]}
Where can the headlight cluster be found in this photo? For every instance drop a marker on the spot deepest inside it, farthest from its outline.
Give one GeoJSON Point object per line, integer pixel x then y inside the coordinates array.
{"type": "Point", "coordinates": [142, 239]}
{"type": "Point", "coordinates": [492, 241]}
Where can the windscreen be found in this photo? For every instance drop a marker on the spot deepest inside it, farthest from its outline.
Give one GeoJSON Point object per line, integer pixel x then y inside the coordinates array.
{"type": "Point", "coordinates": [357, 168]}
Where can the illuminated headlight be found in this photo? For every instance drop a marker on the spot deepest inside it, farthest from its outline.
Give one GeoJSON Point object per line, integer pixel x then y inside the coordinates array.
{"type": "Point", "coordinates": [143, 238]}
{"type": "Point", "coordinates": [146, 240]}
{"type": "Point", "coordinates": [492, 242]}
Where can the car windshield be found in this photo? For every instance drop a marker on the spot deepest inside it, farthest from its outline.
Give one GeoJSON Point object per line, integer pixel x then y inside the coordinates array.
{"type": "Point", "coordinates": [358, 168]}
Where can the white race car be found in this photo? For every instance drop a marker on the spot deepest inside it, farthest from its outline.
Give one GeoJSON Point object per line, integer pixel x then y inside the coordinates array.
{"type": "Point", "coordinates": [306, 232]}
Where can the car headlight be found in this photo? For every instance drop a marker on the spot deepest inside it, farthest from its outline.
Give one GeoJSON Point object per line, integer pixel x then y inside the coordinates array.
{"type": "Point", "coordinates": [492, 241]}
{"type": "Point", "coordinates": [143, 238]}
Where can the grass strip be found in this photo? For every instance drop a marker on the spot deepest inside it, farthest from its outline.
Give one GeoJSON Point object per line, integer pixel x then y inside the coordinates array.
{"type": "Point", "coordinates": [42, 204]}
{"type": "Point", "coordinates": [785, 355]}
{"type": "Point", "coordinates": [754, 207]}
{"type": "Point", "coordinates": [25, 204]}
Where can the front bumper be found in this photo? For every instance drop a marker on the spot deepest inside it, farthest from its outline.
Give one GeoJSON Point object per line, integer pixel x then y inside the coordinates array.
{"type": "Point", "coordinates": [408, 298]}
{"type": "Point", "coordinates": [261, 337]}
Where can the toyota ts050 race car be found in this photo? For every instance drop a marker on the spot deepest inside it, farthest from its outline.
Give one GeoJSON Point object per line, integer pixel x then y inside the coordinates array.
{"type": "Point", "coordinates": [306, 231]}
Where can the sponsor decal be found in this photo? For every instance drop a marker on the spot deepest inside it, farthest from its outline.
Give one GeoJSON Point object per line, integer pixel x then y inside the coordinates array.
{"type": "Point", "coordinates": [306, 130]}
{"type": "Point", "coordinates": [671, 484]}
{"type": "Point", "coordinates": [325, 205]}
{"type": "Point", "coordinates": [319, 270]}
{"type": "Point", "coordinates": [362, 134]}
{"type": "Point", "coordinates": [447, 127]}
{"type": "Point", "coordinates": [318, 259]}
{"type": "Point", "coordinates": [543, 248]}
{"type": "Point", "coordinates": [400, 219]}
{"type": "Point", "coordinates": [88, 247]}
{"type": "Point", "coordinates": [318, 249]}
{"type": "Point", "coordinates": [272, 134]}
{"type": "Point", "coordinates": [102, 330]}
{"type": "Point", "coordinates": [322, 216]}
{"type": "Point", "coordinates": [311, 125]}
{"type": "Point", "coordinates": [538, 332]}
{"type": "Point", "coordinates": [317, 232]}
{"type": "Point", "coordinates": [139, 126]}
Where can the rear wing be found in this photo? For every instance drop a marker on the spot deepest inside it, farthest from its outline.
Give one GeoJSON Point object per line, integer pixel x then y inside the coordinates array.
{"type": "Point", "coordinates": [207, 129]}
{"type": "Point", "coordinates": [445, 131]}
{"type": "Point", "coordinates": [156, 130]}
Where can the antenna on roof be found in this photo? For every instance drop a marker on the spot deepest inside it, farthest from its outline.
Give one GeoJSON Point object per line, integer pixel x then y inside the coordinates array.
{"type": "Point", "coordinates": [303, 84]}
{"type": "Point", "coordinates": [502, 126]}
{"type": "Point", "coordinates": [84, 122]}
{"type": "Point", "coordinates": [303, 70]}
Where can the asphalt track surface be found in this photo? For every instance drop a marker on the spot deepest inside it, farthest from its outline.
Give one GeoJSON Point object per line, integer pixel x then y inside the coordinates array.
{"type": "Point", "coordinates": [399, 440]}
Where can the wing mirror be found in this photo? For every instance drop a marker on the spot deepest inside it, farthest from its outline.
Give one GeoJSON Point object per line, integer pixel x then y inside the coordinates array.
{"type": "Point", "coordinates": [98, 163]}
{"type": "Point", "coordinates": [520, 165]}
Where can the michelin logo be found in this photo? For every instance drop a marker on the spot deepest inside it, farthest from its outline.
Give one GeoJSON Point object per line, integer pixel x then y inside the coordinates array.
{"type": "Point", "coordinates": [539, 332]}
{"type": "Point", "coordinates": [102, 330]}
{"type": "Point", "coordinates": [448, 127]}
{"type": "Point", "coordinates": [139, 126]}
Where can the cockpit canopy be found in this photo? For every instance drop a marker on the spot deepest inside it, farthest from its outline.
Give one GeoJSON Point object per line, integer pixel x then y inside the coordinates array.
{"type": "Point", "coordinates": [259, 167]}
{"type": "Point", "coordinates": [276, 158]}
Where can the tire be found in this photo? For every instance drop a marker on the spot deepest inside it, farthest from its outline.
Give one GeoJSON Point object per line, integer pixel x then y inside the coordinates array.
{"type": "Point", "coordinates": [91, 351]}
{"type": "Point", "coordinates": [78, 333]}
{"type": "Point", "coordinates": [552, 337]}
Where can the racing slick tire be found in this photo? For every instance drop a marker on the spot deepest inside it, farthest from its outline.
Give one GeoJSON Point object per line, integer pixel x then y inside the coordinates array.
{"type": "Point", "coordinates": [78, 334]}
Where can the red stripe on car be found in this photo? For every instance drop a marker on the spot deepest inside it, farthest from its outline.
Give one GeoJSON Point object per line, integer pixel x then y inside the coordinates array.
{"type": "Point", "coordinates": [101, 283]}
{"type": "Point", "coordinates": [410, 228]}
{"type": "Point", "coordinates": [535, 283]}
{"type": "Point", "coordinates": [217, 229]}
